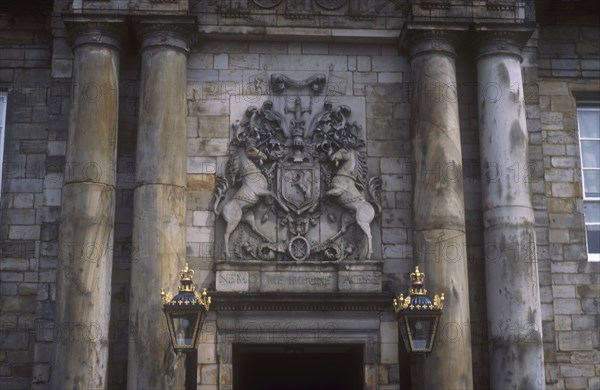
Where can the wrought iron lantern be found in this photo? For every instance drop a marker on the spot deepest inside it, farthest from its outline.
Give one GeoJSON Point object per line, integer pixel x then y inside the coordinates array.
{"type": "Point", "coordinates": [418, 316]}
{"type": "Point", "coordinates": [185, 312]}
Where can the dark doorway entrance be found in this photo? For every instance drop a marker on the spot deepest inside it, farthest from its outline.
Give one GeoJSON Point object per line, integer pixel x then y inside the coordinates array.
{"type": "Point", "coordinates": [297, 367]}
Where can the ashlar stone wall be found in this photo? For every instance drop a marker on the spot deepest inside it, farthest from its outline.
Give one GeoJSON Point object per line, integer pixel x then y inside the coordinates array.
{"type": "Point", "coordinates": [31, 192]}
{"type": "Point", "coordinates": [568, 69]}
{"type": "Point", "coordinates": [561, 63]}
{"type": "Point", "coordinates": [224, 73]}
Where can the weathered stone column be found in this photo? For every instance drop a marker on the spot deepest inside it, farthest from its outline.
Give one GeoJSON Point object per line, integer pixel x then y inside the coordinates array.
{"type": "Point", "coordinates": [513, 299]}
{"type": "Point", "coordinates": [159, 202]}
{"type": "Point", "coordinates": [438, 204]}
{"type": "Point", "coordinates": [88, 208]}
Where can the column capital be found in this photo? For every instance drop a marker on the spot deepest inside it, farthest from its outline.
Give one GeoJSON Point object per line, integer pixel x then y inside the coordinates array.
{"type": "Point", "coordinates": [501, 40]}
{"type": "Point", "coordinates": [100, 31]}
{"type": "Point", "coordinates": [419, 38]}
{"type": "Point", "coordinates": [179, 33]}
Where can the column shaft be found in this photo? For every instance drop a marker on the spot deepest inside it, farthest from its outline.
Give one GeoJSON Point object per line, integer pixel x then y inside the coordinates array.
{"type": "Point", "coordinates": [159, 206]}
{"type": "Point", "coordinates": [88, 207]}
{"type": "Point", "coordinates": [438, 206]}
{"type": "Point", "coordinates": [512, 287]}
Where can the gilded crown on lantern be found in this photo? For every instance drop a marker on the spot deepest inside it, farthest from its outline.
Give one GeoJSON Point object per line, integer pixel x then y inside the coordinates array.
{"type": "Point", "coordinates": [187, 291]}
{"type": "Point", "coordinates": [418, 280]}
{"type": "Point", "coordinates": [186, 283]}
{"type": "Point", "coordinates": [417, 277]}
{"type": "Point", "coordinates": [417, 298]}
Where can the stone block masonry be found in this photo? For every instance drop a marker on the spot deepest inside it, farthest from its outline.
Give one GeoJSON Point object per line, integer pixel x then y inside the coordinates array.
{"type": "Point", "coordinates": [356, 47]}
{"type": "Point", "coordinates": [229, 74]}
{"type": "Point", "coordinates": [571, 344]}
{"type": "Point", "coordinates": [29, 213]}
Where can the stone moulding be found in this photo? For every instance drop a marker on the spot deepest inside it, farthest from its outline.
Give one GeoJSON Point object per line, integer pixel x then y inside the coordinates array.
{"type": "Point", "coordinates": [96, 30]}
{"type": "Point", "coordinates": [421, 38]}
{"type": "Point", "coordinates": [495, 39]}
{"type": "Point", "coordinates": [180, 32]}
{"type": "Point", "coordinates": [435, 5]}
{"type": "Point", "coordinates": [225, 301]}
{"type": "Point", "coordinates": [256, 276]}
{"type": "Point", "coordinates": [267, 3]}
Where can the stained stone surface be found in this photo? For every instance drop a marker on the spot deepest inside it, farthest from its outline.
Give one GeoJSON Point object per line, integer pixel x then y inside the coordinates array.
{"type": "Point", "coordinates": [438, 208]}
{"type": "Point", "coordinates": [232, 281]}
{"type": "Point", "coordinates": [513, 297]}
{"type": "Point", "coordinates": [356, 43]}
{"type": "Point", "coordinates": [298, 281]}
{"type": "Point", "coordinates": [264, 276]}
{"type": "Point", "coordinates": [159, 215]}
{"type": "Point", "coordinates": [359, 281]}
{"type": "Point", "coordinates": [86, 238]}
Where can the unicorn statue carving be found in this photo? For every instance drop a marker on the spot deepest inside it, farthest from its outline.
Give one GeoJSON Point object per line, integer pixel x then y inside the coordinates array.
{"type": "Point", "coordinates": [241, 167]}
{"type": "Point", "coordinates": [346, 184]}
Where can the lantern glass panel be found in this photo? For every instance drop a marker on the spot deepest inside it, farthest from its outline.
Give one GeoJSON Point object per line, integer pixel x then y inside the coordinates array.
{"type": "Point", "coordinates": [421, 331]}
{"type": "Point", "coordinates": [184, 326]}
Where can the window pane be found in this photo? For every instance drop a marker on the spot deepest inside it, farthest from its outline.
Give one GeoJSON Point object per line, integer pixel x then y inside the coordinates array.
{"type": "Point", "coordinates": [593, 238]}
{"type": "Point", "coordinates": [592, 183]}
{"type": "Point", "coordinates": [3, 98]}
{"type": "Point", "coordinates": [589, 123]}
{"type": "Point", "coordinates": [592, 212]}
{"type": "Point", "coordinates": [590, 154]}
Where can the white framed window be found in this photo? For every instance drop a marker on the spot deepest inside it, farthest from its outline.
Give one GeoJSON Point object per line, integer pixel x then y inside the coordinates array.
{"type": "Point", "coordinates": [588, 118]}
{"type": "Point", "coordinates": [3, 100]}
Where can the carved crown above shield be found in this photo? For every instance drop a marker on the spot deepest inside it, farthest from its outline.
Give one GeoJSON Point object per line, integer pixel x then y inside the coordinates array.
{"type": "Point", "coordinates": [296, 186]}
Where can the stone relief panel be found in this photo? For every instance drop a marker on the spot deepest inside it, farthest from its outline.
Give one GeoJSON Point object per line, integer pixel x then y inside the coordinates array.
{"type": "Point", "coordinates": [296, 184]}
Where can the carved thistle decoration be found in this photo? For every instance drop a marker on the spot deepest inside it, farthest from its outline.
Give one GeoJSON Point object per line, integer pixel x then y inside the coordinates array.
{"type": "Point", "coordinates": [296, 186]}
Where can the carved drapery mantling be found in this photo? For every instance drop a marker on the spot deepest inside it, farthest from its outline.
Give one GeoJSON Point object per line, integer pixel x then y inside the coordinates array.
{"type": "Point", "coordinates": [296, 184]}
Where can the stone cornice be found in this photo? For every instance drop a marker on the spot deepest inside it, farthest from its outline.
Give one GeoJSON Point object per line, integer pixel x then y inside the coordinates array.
{"type": "Point", "coordinates": [419, 39]}
{"type": "Point", "coordinates": [180, 33]}
{"type": "Point", "coordinates": [501, 39]}
{"type": "Point", "coordinates": [96, 30]}
{"type": "Point", "coordinates": [306, 34]}
{"type": "Point", "coordinates": [226, 301]}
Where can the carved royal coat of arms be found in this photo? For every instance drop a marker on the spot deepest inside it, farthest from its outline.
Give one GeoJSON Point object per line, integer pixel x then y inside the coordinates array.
{"type": "Point", "coordinates": [296, 185]}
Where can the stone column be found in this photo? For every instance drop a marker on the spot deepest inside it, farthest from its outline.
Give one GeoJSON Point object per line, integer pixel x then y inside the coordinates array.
{"type": "Point", "coordinates": [88, 207]}
{"type": "Point", "coordinates": [159, 202]}
{"type": "Point", "coordinates": [513, 298]}
{"type": "Point", "coordinates": [438, 204]}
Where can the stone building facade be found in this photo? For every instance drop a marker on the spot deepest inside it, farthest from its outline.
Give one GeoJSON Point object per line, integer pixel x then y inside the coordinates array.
{"type": "Point", "coordinates": [126, 119]}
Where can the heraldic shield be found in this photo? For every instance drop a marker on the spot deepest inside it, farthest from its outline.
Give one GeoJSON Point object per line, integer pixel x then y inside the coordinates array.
{"type": "Point", "coordinates": [296, 186]}
{"type": "Point", "coordinates": [299, 185]}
